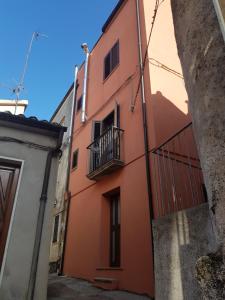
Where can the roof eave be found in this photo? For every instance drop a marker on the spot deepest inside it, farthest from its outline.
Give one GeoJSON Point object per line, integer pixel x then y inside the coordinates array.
{"type": "Point", "coordinates": [112, 15]}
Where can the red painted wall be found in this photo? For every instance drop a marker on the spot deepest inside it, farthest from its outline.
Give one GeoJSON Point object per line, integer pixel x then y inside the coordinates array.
{"type": "Point", "coordinates": [87, 247]}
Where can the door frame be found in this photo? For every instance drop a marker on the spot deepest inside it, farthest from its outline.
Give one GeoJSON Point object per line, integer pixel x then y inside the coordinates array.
{"type": "Point", "coordinates": [19, 163]}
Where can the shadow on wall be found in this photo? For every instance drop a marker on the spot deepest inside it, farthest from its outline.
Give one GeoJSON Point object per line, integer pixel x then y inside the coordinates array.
{"type": "Point", "coordinates": [177, 181]}
{"type": "Point", "coordinates": [168, 118]}
{"type": "Point", "coordinates": [179, 240]}
{"type": "Point", "coordinates": [180, 237]}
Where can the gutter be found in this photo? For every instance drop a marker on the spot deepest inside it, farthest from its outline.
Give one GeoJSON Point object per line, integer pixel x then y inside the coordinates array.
{"type": "Point", "coordinates": [145, 128]}
{"type": "Point", "coordinates": [73, 104]}
{"type": "Point", "coordinates": [40, 220]}
{"type": "Point", "coordinates": [68, 169]}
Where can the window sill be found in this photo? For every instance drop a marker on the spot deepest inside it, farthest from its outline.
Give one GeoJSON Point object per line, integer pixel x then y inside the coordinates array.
{"type": "Point", "coordinates": [104, 80]}
{"type": "Point", "coordinates": [109, 269]}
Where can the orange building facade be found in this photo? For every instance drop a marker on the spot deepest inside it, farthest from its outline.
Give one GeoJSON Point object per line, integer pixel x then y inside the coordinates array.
{"type": "Point", "coordinates": [109, 239]}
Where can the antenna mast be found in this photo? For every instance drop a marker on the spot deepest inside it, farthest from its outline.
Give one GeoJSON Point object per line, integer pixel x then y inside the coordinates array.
{"type": "Point", "coordinates": [20, 86]}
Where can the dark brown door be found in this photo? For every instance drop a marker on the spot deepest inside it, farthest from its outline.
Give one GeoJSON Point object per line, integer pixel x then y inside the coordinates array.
{"type": "Point", "coordinates": [8, 183]}
{"type": "Point", "coordinates": [115, 231]}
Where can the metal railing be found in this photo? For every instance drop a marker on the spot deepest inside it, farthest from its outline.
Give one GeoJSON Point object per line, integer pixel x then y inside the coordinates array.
{"type": "Point", "coordinates": [176, 174]}
{"type": "Point", "coordinates": [105, 148]}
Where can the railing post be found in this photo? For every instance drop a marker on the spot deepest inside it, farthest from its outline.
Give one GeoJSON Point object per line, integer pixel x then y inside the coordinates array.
{"type": "Point", "coordinates": [178, 171]}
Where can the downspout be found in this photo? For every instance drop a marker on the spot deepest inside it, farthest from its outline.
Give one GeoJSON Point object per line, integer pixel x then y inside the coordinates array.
{"type": "Point", "coordinates": [83, 110]}
{"type": "Point", "coordinates": [73, 105]}
{"type": "Point", "coordinates": [40, 219]}
{"type": "Point", "coordinates": [68, 194]}
{"type": "Point", "coordinates": [145, 127]}
{"type": "Point", "coordinates": [220, 17]}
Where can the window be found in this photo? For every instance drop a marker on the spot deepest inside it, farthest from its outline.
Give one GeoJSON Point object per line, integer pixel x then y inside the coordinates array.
{"type": "Point", "coordinates": [105, 140]}
{"type": "Point", "coordinates": [108, 121]}
{"type": "Point", "coordinates": [79, 103]}
{"type": "Point", "coordinates": [75, 159]}
{"type": "Point", "coordinates": [115, 230]}
{"type": "Point", "coordinates": [9, 174]}
{"type": "Point", "coordinates": [56, 229]}
{"type": "Point", "coordinates": [112, 119]}
{"type": "Point", "coordinates": [96, 130]}
{"type": "Point", "coordinates": [111, 60]}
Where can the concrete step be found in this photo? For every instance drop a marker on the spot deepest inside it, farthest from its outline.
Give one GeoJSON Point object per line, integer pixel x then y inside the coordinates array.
{"type": "Point", "coordinates": [106, 283]}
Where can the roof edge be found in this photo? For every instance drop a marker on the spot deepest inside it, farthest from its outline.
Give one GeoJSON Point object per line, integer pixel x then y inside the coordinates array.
{"type": "Point", "coordinates": [31, 122]}
{"type": "Point", "coordinates": [62, 102]}
{"type": "Point", "coordinates": [104, 27]}
{"type": "Point", "coordinates": [112, 15]}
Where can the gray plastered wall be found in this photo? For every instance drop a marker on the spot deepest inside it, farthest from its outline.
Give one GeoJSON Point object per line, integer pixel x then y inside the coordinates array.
{"type": "Point", "coordinates": [17, 259]}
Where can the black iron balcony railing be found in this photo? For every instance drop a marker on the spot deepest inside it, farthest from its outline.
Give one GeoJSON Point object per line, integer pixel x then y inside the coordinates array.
{"type": "Point", "coordinates": [177, 179]}
{"type": "Point", "coordinates": [105, 153]}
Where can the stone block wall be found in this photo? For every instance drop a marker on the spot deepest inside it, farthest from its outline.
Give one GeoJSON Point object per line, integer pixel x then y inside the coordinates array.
{"type": "Point", "coordinates": [179, 240]}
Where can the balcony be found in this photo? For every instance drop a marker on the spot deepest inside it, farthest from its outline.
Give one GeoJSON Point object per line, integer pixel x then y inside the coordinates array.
{"type": "Point", "coordinates": [105, 153]}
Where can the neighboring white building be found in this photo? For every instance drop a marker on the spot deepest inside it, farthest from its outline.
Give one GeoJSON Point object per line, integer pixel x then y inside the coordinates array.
{"type": "Point", "coordinates": [29, 154]}
{"type": "Point", "coordinates": [62, 115]}
{"type": "Point", "coordinates": [13, 106]}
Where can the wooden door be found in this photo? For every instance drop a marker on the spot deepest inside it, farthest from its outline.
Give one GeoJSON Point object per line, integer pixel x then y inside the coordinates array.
{"type": "Point", "coordinates": [8, 183]}
{"type": "Point", "coordinates": [115, 231]}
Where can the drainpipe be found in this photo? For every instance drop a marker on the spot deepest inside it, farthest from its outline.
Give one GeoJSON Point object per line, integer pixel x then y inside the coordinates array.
{"type": "Point", "coordinates": [40, 219]}
{"type": "Point", "coordinates": [83, 110]}
{"type": "Point", "coordinates": [220, 16]}
{"type": "Point", "coordinates": [73, 104]}
{"type": "Point", "coordinates": [68, 169]}
{"type": "Point", "coordinates": [145, 126]}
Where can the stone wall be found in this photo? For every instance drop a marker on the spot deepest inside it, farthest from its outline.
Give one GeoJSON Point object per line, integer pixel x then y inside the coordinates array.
{"type": "Point", "coordinates": [179, 240]}
{"type": "Point", "coordinates": [222, 6]}
{"type": "Point", "coordinates": [202, 53]}
{"type": "Point", "coordinates": [201, 50]}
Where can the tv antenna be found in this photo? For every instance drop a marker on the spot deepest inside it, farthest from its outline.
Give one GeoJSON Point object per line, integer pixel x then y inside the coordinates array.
{"type": "Point", "coordinates": [16, 90]}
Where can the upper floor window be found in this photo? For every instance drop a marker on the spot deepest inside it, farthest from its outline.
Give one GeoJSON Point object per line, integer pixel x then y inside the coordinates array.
{"type": "Point", "coordinates": [111, 60]}
{"type": "Point", "coordinates": [112, 119]}
{"type": "Point", "coordinates": [79, 103]}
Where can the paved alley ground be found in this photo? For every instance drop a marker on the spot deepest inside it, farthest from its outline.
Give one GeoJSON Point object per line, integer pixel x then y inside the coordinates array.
{"type": "Point", "coordinates": [64, 288]}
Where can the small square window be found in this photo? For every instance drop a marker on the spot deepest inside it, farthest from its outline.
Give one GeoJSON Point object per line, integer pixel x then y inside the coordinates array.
{"type": "Point", "coordinates": [75, 159]}
{"type": "Point", "coordinates": [79, 103]}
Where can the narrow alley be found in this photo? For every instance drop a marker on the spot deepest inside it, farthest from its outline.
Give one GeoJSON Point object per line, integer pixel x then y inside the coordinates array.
{"type": "Point", "coordinates": [65, 288]}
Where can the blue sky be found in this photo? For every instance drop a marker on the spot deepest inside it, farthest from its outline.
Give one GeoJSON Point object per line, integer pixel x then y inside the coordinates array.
{"type": "Point", "coordinates": [67, 24]}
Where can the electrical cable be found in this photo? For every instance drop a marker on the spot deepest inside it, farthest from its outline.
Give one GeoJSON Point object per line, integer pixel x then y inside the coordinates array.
{"type": "Point", "coordinates": [157, 5]}
{"type": "Point", "coordinates": [158, 64]}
